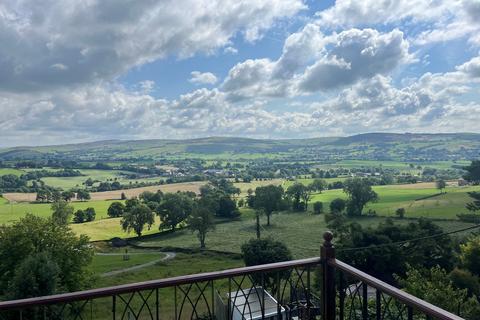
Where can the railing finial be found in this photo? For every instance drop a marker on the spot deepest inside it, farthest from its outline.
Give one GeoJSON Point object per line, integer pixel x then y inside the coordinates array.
{"type": "Point", "coordinates": [328, 237]}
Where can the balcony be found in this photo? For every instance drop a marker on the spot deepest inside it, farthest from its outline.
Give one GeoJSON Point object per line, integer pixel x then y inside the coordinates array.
{"type": "Point", "coordinates": [315, 288]}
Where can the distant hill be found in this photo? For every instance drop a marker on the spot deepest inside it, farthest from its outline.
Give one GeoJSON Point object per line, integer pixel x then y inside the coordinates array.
{"type": "Point", "coordinates": [375, 146]}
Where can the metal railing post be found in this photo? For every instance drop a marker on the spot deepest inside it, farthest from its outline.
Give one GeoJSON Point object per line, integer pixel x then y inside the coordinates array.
{"type": "Point", "coordinates": [327, 251]}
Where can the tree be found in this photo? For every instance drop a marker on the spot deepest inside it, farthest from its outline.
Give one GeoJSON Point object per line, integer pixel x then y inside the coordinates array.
{"type": "Point", "coordinates": [90, 214]}
{"type": "Point", "coordinates": [174, 209]}
{"type": "Point", "coordinates": [318, 207]}
{"type": "Point", "coordinates": [464, 279]}
{"type": "Point", "coordinates": [475, 204]}
{"type": "Point", "coordinates": [269, 199]}
{"type": "Point", "coordinates": [33, 235]}
{"type": "Point", "coordinates": [434, 286]}
{"type": "Point", "coordinates": [299, 192]}
{"type": "Point", "coordinates": [136, 219]}
{"type": "Point", "coordinates": [201, 221]}
{"type": "Point", "coordinates": [400, 212]}
{"type": "Point", "coordinates": [116, 209]}
{"type": "Point", "coordinates": [262, 251]}
{"type": "Point", "coordinates": [241, 203]}
{"type": "Point", "coordinates": [123, 196]}
{"type": "Point", "coordinates": [83, 195]}
{"type": "Point", "coordinates": [473, 172]}
{"type": "Point", "coordinates": [382, 260]}
{"type": "Point", "coordinates": [148, 196]}
{"type": "Point", "coordinates": [337, 205]}
{"type": "Point", "coordinates": [470, 255]}
{"type": "Point", "coordinates": [359, 193]}
{"type": "Point", "coordinates": [37, 275]}
{"type": "Point", "coordinates": [42, 195]}
{"type": "Point", "coordinates": [62, 212]}
{"type": "Point", "coordinates": [79, 216]}
{"type": "Point", "coordinates": [441, 185]}
{"type": "Point", "coordinates": [68, 195]}
{"type": "Point", "coordinates": [318, 185]}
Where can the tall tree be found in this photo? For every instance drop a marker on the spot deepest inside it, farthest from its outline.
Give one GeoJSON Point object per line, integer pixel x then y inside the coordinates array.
{"type": "Point", "coordinates": [318, 185]}
{"type": "Point", "coordinates": [62, 212]}
{"type": "Point", "coordinates": [269, 198]}
{"type": "Point", "coordinates": [83, 195]}
{"type": "Point", "coordinates": [136, 218]}
{"type": "Point", "coordinates": [174, 209]}
{"type": "Point", "coordinates": [473, 172]}
{"type": "Point", "coordinates": [441, 185]}
{"type": "Point", "coordinates": [116, 209]}
{"type": "Point", "coordinates": [359, 193]}
{"type": "Point", "coordinates": [298, 192]}
{"type": "Point", "coordinates": [201, 221]}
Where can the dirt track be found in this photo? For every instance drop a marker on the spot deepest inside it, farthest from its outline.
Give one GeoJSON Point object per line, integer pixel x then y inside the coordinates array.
{"type": "Point", "coordinates": [114, 195]}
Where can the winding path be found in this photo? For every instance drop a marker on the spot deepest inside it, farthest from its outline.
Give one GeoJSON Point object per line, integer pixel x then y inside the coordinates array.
{"type": "Point", "coordinates": [168, 256]}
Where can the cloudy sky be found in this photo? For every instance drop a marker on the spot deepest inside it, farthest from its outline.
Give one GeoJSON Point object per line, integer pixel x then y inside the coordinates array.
{"type": "Point", "coordinates": [83, 70]}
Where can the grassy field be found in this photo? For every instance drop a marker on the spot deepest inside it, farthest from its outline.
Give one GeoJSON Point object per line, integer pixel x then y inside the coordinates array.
{"type": "Point", "coordinates": [182, 264]}
{"type": "Point", "coordinates": [4, 171]}
{"type": "Point", "coordinates": [392, 197]}
{"type": "Point", "coordinates": [106, 229]}
{"type": "Point", "coordinates": [100, 175]}
{"type": "Point", "coordinates": [301, 231]}
{"type": "Point", "coordinates": [10, 212]}
{"type": "Point", "coordinates": [105, 263]}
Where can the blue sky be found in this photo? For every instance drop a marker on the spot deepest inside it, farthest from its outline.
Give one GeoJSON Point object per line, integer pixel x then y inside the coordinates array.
{"type": "Point", "coordinates": [75, 71]}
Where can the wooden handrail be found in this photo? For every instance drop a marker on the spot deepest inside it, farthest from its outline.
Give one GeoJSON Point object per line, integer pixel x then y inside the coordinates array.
{"type": "Point", "coordinates": [408, 299]}
{"type": "Point", "coordinates": [154, 284]}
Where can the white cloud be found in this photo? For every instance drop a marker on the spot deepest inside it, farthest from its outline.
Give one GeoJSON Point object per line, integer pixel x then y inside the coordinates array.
{"type": "Point", "coordinates": [99, 40]}
{"type": "Point", "coordinates": [313, 62]}
{"type": "Point", "coordinates": [202, 78]}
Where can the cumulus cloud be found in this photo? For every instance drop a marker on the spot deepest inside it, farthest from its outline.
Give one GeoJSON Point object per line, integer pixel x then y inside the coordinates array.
{"type": "Point", "coordinates": [427, 21]}
{"type": "Point", "coordinates": [356, 54]}
{"type": "Point", "coordinates": [101, 39]}
{"type": "Point", "coordinates": [202, 78]}
{"type": "Point", "coordinates": [313, 62]}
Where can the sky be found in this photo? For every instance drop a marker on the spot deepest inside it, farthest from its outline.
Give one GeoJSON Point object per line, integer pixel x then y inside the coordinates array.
{"type": "Point", "coordinates": [86, 70]}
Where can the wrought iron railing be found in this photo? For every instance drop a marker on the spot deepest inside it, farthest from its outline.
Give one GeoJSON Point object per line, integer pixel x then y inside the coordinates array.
{"type": "Point", "coordinates": [300, 289]}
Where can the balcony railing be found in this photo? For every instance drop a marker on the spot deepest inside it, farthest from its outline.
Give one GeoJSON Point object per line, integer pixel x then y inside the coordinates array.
{"type": "Point", "coordinates": [315, 288]}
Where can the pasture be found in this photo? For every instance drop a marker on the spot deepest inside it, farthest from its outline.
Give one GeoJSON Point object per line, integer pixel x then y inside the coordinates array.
{"type": "Point", "coordinates": [301, 231]}
{"type": "Point", "coordinates": [392, 197]}
{"type": "Point", "coordinates": [117, 194]}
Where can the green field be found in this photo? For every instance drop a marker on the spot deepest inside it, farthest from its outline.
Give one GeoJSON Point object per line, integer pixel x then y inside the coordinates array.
{"type": "Point", "coordinates": [10, 212]}
{"type": "Point", "coordinates": [4, 171]}
{"type": "Point", "coordinates": [301, 231]}
{"type": "Point", "coordinates": [105, 263]}
{"type": "Point", "coordinates": [106, 229]}
{"type": "Point", "coordinates": [100, 175]}
{"type": "Point", "coordinates": [392, 197]}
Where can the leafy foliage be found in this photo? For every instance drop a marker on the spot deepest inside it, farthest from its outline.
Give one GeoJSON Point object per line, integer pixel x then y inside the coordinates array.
{"type": "Point", "coordinates": [433, 285]}
{"type": "Point", "coordinates": [359, 193]}
{"type": "Point", "coordinates": [136, 218]}
{"type": "Point", "coordinates": [32, 236]}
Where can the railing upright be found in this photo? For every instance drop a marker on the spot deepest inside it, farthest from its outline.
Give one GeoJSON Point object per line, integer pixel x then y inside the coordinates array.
{"type": "Point", "coordinates": [327, 251]}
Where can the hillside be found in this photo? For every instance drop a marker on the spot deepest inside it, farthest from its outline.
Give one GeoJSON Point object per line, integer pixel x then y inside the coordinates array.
{"type": "Point", "coordinates": [370, 146]}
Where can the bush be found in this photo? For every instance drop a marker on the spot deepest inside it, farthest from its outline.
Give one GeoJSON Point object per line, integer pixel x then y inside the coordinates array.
{"type": "Point", "coordinates": [337, 205]}
{"type": "Point", "coordinates": [318, 207]}
{"type": "Point", "coordinates": [400, 212]}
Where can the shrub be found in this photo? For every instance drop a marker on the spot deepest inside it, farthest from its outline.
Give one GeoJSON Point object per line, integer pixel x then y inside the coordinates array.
{"type": "Point", "coordinates": [400, 212]}
{"type": "Point", "coordinates": [318, 207]}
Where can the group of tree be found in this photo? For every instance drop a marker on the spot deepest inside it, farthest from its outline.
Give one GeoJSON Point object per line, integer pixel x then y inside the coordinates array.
{"type": "Point", "coordinates": [87, 215]}
{"type": "Point", "coordinates": [40, 256]}
{"type": "Point", "coordinates": [198, 212]}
